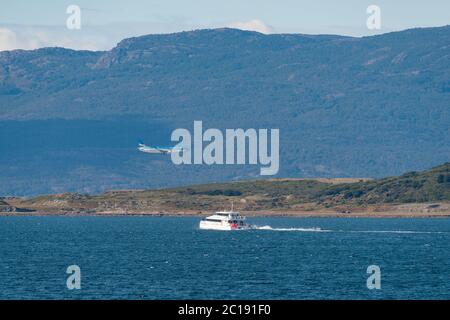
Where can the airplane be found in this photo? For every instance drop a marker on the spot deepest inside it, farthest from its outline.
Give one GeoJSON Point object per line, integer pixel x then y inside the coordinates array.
{"type": "Point", "coordinates": [158, 150]}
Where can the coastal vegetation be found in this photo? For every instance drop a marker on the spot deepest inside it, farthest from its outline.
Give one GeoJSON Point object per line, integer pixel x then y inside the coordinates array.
{"type": "Point", "coordinates": [274, 195]}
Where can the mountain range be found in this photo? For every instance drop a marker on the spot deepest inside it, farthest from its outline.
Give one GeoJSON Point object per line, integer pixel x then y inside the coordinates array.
{"type": "Point", "coordinates": [346, 107]}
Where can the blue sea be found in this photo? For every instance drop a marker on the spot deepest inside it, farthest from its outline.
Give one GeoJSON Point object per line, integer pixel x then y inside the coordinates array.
{"type": "Point", "coordinates": [170, 258]}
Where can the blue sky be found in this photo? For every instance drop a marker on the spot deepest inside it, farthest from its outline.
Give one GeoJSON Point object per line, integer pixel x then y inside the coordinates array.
{"type": "Point", "coordinates": [32, 24]}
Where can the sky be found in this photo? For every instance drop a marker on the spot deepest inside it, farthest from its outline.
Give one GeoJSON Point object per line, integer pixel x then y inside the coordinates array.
{"type": "Point", "coordinates": [26, 24]}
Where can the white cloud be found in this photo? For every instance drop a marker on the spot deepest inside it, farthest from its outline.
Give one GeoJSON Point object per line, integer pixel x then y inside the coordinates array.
{"type": "Point", "coordinates": [28, 38]}
{"type": "Point", "coordinates": [8, 39]}
{"type": "Point", "coordinates": [89, 37]}
{"type": "Point", "coordinates": [24, 38]}
{"type": "Point", "coordinates": [252, 25]}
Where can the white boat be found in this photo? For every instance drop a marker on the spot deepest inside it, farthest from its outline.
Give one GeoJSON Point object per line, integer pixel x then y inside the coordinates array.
{"type": "Point", "coordinates": [224, 220]}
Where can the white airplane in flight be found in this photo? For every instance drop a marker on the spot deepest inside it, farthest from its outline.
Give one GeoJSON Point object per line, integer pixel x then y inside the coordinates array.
{"type": "Point", "coordinates": [158, 150]}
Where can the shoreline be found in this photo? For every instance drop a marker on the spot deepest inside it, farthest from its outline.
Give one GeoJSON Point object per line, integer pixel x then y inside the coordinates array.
{"type": "Point", "coordinates": [391, 197]}
{"type": "Point", "coordinates": [265, 214]}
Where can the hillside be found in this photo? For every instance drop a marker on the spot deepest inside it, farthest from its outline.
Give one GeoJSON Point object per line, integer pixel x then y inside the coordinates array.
{"type": "Point", "coordinates": [5, 207]}
{"type": "Point", "coordinates": [411, 187]}
{"type": "Point", "coordinates": [432, 188]}
{"type": "Point", "coordinates": [346, 107]}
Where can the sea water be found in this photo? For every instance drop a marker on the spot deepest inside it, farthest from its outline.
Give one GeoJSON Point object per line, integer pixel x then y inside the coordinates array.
{"type": "Point", "coordinates": [170, 258]}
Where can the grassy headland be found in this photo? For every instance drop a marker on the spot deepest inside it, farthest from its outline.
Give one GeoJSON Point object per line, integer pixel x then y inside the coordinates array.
{"type": "Point", "coordinates": [424, 193]}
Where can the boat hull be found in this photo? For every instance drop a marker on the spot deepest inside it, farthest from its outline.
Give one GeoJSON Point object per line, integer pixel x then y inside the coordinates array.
{"type": "Point", "coordinates": [205, 225]}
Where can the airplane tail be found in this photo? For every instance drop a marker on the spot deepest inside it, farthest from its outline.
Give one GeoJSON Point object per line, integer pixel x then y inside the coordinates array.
{"type": "Point", "coordinates": [141, 143]}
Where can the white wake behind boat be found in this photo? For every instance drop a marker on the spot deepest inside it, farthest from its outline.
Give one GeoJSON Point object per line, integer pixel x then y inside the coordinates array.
{"type": "Point", "coordinates": [224, 220]}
